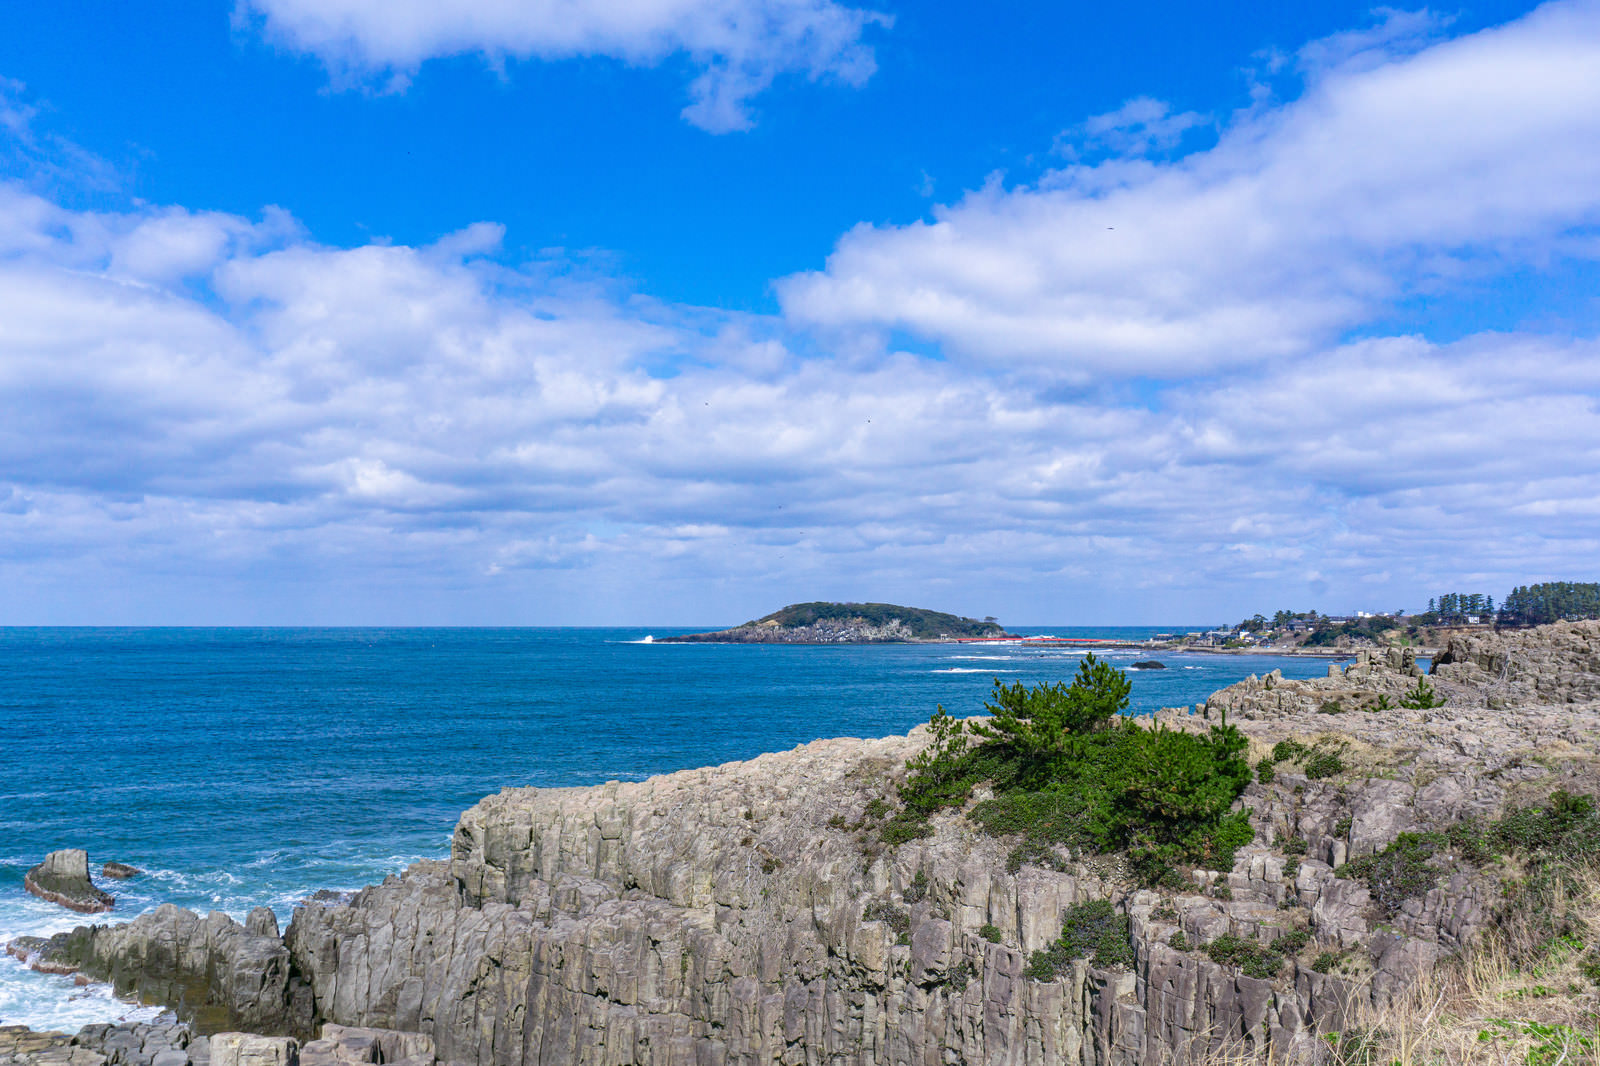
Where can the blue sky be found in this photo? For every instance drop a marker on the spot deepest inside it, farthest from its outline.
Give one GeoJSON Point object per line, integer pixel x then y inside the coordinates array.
{"type": "Point", "coordinates": [672, 311]}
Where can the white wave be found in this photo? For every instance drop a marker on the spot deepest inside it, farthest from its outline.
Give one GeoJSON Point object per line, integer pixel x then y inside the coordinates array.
{"type": "Point", "coordinates": [53, 1001]}
{"type": "Point", "coordinates": [987, 658]}
{"type": "Point", "coordinates": [970, 670]}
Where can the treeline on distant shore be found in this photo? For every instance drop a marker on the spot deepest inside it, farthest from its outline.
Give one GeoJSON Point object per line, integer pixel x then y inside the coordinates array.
{"type": "Point", "coordinates": [1526, 605]}
{"type": "Point", "coordinates": [1553, 601]}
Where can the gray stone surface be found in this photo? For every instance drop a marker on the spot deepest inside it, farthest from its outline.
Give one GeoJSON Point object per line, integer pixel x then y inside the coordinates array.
{"type": "Point", "coordinates": [63, 878]}
{"type": "Point", "coordinates": [216, 973]}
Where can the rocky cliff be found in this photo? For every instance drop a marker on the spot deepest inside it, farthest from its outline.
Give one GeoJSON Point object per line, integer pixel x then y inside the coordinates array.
{"type": "Point", "coordinates": [746, 914]}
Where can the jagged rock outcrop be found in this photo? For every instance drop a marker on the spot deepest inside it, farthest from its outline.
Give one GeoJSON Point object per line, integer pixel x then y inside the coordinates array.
{"type": "Point", "coordinates": [212, 970]}
{"type": "Point", "coordinates": [119, 871]}
{"type": "Point", "coordinates": [1557, 663]}
{"type": "Point", "coordinates": [63, 878]}
{"type": "Point", "coordinates": [745, 913]}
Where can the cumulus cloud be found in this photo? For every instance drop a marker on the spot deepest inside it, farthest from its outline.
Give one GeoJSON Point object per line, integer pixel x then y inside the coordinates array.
{"type": "Point", "coordinates": [347, 418]}
{"type": "Point", "coordinates": [1305, 219]}
{"type": "Point", "coordinates": [219, 418]}
{"type": "Point", "coordinates": [738, 46]}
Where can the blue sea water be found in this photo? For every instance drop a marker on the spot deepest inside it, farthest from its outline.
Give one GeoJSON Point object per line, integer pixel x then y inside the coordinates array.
{"type": "Point", "coordinates": [240, 767]}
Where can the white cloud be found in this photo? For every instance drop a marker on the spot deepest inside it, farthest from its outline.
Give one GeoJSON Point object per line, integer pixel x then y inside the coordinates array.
{"type": "Point", "coordinates": [739, 46]}
{"type": "Point", "coordinates": [1302, 221]}
{"type": "Point", "coordinates": [214, 418]}
{"type": "Point", "coordinates": [1140, 126]}
{"type": "Point", "coordinates": [390, 418]}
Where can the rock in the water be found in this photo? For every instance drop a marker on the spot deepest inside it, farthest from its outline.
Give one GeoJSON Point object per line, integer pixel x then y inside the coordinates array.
{"type": "Point", "coordinates": [63, 878]}
{"type": "Point", "coordinates": [119, 871]}
{"type": "Point", "coordinates": [1148, 664]}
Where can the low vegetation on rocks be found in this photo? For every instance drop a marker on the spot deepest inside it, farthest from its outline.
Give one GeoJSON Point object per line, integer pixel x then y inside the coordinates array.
{"type": "Point", "coordinates": [1090, 930]}
{"type": "Point", "coordinates": [1069, 769]}
{"type": "Point", "coordinates": [1553, 838]}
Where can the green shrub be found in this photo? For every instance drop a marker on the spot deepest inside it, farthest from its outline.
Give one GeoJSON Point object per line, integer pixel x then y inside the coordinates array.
{"type": "Point", "coordinates": [1326, 961]}
{"type": "Point", "coordinates": [1264, 771]}
{"type": "Point", "coordinates": [1383, 703]}
{"type": "Point", "coordinates": [1331, 707]}
{"type": "Point", "coordinates": [1292, 943]}
{"type": "Point", "coordinates": [990, 932]}
{"type": "Point", "coordinates": [1289, 751]}
{"type": "Point", "coordinates": [1034, 853]}
{"type": "Point", "coordinates": [1341, 828]}
{"type": "Point", "coordinates": [1421, 697]}
{"type": "Point", "coordinates": [1092, 929]}
{"type": "Point", "coordinates": [1178, 942]}
{"type": "Point", "coordinates": [1323, 764]}
{"type": "Point", "coordinates": [1251, 958]}
{"type": "Point", "coordinates": [1568, 823]}
{"type": "Point", "coordinates": [1400, 871]}
{"type": "Point", "coordinates": [960, 974]}
{"type": "Point", "coordinates": [1038, 725]}
{"type": "Point", "coordinates": [1066, 770]}
{"type": "Point", "coordinates": [877, 807]}
{"type": "Point", "coordinates": [917, 890]}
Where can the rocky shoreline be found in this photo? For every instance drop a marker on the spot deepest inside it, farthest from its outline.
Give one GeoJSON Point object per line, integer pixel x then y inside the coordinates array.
{"type": "Point", "coordinates": [746, 913]}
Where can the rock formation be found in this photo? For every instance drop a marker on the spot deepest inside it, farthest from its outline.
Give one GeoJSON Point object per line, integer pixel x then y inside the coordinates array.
{"type": "Point", "coordinates": [746, 914]}
{"type": "Point", "coordinates": [63, 878]}
{"type": "Point", "coordinates": [168, 1043]}
{"type": "Point", "coordinates": [119, 871]}
{"type": "Point", "coordinates": [212, 970]}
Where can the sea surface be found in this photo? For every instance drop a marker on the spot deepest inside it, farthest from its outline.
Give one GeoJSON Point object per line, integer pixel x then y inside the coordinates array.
{"type": "Point", "coordinates": [240, 767]}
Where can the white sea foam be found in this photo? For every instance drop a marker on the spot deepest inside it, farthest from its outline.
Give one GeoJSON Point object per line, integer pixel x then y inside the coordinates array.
{"type": "Point", "coordinates": [52, 1001]}
{"type": "Point", "coordinates": [970, 670]}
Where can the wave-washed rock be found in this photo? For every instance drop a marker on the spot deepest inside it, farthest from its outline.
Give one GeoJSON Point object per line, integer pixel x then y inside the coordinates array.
{"type": "Point", "coordinates": [740, 914]}
{"type": "Point", "coordinates": [63, 878]}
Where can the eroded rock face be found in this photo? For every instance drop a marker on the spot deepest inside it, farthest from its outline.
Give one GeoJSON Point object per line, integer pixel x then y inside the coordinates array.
{"type": "Point", "coordinates": [1551, 664]}
{"type": "Point", "coordinates": [63, 878]}
{"type": "Point", "coordinates": [215, 972]}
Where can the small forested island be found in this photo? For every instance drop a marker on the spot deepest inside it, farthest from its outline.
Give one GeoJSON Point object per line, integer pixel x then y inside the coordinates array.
{"type": "Point", "coordinates": [849, 623]}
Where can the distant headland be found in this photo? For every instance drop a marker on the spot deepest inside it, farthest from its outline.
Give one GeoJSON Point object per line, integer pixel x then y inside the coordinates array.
{"type": "Point", "coordinates": [849, 623]}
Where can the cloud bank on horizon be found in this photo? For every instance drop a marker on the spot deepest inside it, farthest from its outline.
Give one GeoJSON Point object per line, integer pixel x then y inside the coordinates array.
{"type": "Point", "coordinates": [1136, 388]}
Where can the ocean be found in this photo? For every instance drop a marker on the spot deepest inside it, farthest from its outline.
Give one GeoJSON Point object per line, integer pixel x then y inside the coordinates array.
{"type": "Point", "coordinates": [240, 767]}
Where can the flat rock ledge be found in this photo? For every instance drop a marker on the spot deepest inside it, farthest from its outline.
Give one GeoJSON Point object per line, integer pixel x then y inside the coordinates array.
{"type": "Point", "coordinates": [63, 878]}
{"type": "Point", "coordinates": [168, 1042]}
{"type": "Point", "coordinates": [747, 915]}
